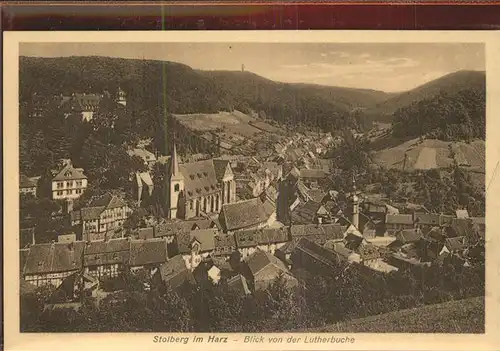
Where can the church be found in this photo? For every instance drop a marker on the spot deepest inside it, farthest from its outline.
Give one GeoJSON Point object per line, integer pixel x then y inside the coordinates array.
{"type": "Point", "coordinates": [198, 188]}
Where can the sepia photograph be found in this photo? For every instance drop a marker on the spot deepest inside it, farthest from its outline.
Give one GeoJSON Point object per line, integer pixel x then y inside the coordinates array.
{"type": "Point", "coordinates": [252, 187]}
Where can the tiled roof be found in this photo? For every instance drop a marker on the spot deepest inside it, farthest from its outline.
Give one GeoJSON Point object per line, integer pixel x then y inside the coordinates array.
{"type": "Point", "coordinates": [318, 233]}
{"type": "Point", "coordinates": [261, 259]}
{"type": "Point", "coordinates": [399, 219]}
{"type": "Point", "coordinates": [85, 102]}
{"type": "Point", "coordinates": [174, 272]}
{"type": "Point", "coordinates": [269, 208]}
{"type": "Point", "coordinates": [25, 182]}
{"type": "Point", "coordinates": [146, 233]}
{"type": "Point", "coordinates": [91, 213]}
{"type": "Point", "coordinates": [316, 251]}
{"type": "Point", "coordinates": [107, 252]}
{"type": "Point", "coordinates": [427, 218]}
{"type": "Point", "coordinates": [220, 168]}
{"type": "Point", "coordinates": [243, 214]}
{"type": "Point", "coordinates": [340, 249]}
{"type": "Point", "coordinates": [246, 238]}
{"type": "Point", "coordinates": [53, 258]}
{"type": "Point", "coordinates": [305, 213]}
{"type": "Point", "coordinates": [199, 178]}
{"type": "Point", "coordinates": [68, 172]}
{"type": "Point", "coordinates": [239, 284]}
{"type": "Point", "coordinates": [317, 195]}
{"type": "Point", "coordinates": [206, 238]}
{"type": "Point", "coordinates": [225, 244]}
{"type": "Point", "coordinates": [109, 201]}
{"type": "Point", "coordinates": [144, 252]}
{"type": "Point", "coordinates": [175, 227]}
{"type": "Point", "coordinates": [409, 236]}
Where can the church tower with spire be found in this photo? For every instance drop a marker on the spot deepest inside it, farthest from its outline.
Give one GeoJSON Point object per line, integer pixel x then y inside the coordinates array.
{"type": "Point", "coordinates": [174, 185]}
{"type": "Point", "coordinates": [355, 204]}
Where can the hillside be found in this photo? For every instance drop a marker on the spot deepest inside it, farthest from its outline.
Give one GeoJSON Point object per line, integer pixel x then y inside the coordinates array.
{"type": "Point", "coordinates": [451, 84]}
{"type": "Point", "coordinates": [161, 85]}
{"type": "Point", "coordinates": [462, 316]}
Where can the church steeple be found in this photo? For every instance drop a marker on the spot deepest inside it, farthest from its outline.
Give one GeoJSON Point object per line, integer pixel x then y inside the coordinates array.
{"type": "Point", "coordinates": [174, 186]}
{"type": "Point", "coordinates": [174, 164]}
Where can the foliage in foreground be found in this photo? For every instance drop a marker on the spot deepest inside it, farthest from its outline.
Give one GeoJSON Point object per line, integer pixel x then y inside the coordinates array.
{"type": "Point", "coordinates": [319, 301]}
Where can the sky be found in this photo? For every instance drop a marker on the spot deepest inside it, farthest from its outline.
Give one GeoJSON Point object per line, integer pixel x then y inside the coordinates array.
{"type": "Point", "coordinates": [389, 67]}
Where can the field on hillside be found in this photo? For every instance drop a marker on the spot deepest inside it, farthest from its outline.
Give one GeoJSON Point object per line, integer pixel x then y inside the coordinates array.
{"type": "Point", "coordinates": [431, 154]}
{"type": "Point", "coordinates": [463, 316]}
{"type": "Point", "coordinates": [212, 121]}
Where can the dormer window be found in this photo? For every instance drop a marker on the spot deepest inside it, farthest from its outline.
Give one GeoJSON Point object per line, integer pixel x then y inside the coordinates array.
{"type": "Point", "coordinates": [191, 176]}
{"type": "Point", "coordinates": [67, 174]}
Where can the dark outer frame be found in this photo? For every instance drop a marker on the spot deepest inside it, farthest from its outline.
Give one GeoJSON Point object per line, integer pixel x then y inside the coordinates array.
{"type": "Point", "coordinates": [364, 15]}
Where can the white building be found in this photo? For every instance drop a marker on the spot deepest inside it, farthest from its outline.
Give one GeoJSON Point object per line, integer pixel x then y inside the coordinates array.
{"type": "Point", "coordinates": [69, 183]}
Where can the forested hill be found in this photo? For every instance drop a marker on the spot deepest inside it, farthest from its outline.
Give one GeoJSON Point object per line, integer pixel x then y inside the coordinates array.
{"type": "Point", "coordinates": [453, 85]}
{"type": "Point", "coordinates": [153, 85]}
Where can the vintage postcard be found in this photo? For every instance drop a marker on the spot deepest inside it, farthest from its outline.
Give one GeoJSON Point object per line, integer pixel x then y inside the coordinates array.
{"type": "Point", "coordinates": [257, 190]}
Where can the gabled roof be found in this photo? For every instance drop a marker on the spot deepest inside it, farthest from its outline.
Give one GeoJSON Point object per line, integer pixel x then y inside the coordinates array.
{"type": "Point", "coordinates": [53, 258]}
{"type": "Point", "coordinates": [68, 172]}
{"type": "Point", "coordinates": [269, 208]}
{"type": "Point", "coordinates": [409, 236]}
{"type": "Point", "coordinates": [109, 201]}
{"type": "Point", "coordinates": [144, 252]}
{"type": "Point", "coordinates": [225, 244]}
{"type": "Point", "coordinates": [220, 167]}
{"type": "Point", "coordinates": [318, 233]}
{"type": "Point", "coordinates": [305, 213]}
{"type": "Point", "coordinates": [427, 218]}
{"type": "Point", "coordinates": [316, 251]}
{"type": "Point", "coordinates": [174, 227]}
{"type": "Point", "coordinates": [199, 178]}
{"type": "Point", "coordinates": [246, 238]}
{"type": "Point", "coordinates": [455, 244]}
{"type": "Point", "coordinates": [406, 219]}
{"type": "Point", "coordinates": [112, 251]}
{"type": "Point", "coordinates": [25, 182]}
{"type": "Point", "coordinates": [174, 272]}
{"type": "Point", "coordinates": [239, 284]}
{"type": "Point", "coordinates": [243, 214]}
{"type": "Point", "coordinates": [317, 195]}
{"type": "Point", "coordinates": [91, 213]}
{"type": "Point", "coordinates": [206, 238]}
{"type": "Point", "coordinates": [261, 259]}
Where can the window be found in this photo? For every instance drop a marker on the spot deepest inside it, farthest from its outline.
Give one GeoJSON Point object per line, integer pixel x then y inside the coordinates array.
{"type": "Point", "coordinates": [60, 185]}
{"type": "Point", "coordinates": [79, 183]}
{"type": "Point", "coordinates": [59, 193]}
{"type": "Point", "coordinates": [69, 184]}
{"type": "Point", "coordinates": [191, 204]}
{"type": "Point", "coordinates": [176, 187]}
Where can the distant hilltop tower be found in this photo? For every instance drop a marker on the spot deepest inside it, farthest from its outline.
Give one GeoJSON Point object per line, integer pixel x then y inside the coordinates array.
{"type": "Point", "coordinates": [122, 98]}
{"type": "Point", "coordinates": [242, 68]}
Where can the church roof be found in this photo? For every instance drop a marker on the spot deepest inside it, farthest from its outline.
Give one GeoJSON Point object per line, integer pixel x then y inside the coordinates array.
{"type": "Point", "coordinates": [220, 168]}
{"type": "Point", "coordinates": [199, 178]}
